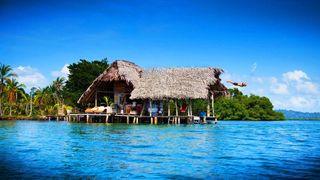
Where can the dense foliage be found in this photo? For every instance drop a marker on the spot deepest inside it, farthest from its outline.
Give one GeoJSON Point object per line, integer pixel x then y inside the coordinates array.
{"type": "Point", "coordinates": [81, 76]}
{"type": "Point", "coordinates": [239, 106]}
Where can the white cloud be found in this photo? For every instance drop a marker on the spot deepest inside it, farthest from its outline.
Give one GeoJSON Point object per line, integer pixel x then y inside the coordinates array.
{"type": "Point", "coordinates": [307, 87]}
{"type": "Point", "coordinates": [31, 77]}
{"type": "Point", "coordinates": [64, 72]}
{"type": "Point", "coordinates": [296, 75]}
{"type": "Point", "coordinates": [279, 89]}
{"type": "Point", "coordinates": [300, 81]}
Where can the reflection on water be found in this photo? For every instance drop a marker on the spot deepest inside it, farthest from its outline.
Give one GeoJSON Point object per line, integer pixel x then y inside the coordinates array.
{"type": "Point", "coordinates": [35, 149]}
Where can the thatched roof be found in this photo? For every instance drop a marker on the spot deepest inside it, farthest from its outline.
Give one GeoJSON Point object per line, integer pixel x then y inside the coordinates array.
{"type": "Point", "coordinates": [178, 83]}
{"type": "Point", "coordinates": [118, 70]}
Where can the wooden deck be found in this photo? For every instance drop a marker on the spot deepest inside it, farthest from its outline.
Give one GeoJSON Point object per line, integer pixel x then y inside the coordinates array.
{"type": "Point", "coordinates": [136, 119]}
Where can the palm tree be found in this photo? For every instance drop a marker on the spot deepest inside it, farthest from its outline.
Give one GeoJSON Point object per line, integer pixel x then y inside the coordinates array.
{"type": "Point", "coordinates": [5, 74]}
{"type": "Point", "coordinates": [32, 91]}
{"type": "Point", "coordinates": [44, 98]}
{"type": "Point", "coordinates": [58, 85]}
{"type": "Point", "coordinates": [40, 98]}
{"type": "Point", "coordinates": [13, 88]}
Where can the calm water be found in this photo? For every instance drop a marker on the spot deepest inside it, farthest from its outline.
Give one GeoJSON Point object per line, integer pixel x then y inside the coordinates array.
{"type": "Point", "coordinates": [35, 149]}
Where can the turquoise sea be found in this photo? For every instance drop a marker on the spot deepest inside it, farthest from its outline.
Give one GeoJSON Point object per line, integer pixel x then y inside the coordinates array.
{"type": "Point", "coordinates": [230, 149]}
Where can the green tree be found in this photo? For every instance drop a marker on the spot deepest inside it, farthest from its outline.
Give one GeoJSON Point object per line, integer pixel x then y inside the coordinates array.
{"type": "Point", "coordinates": [58, 86]}
{"type": "Point", "coordinates": [13, 88]}
{"type": "Point", "coordinates": [5, 74]}
{"type": "Point", "coordinates": [32, 91]}
{"type": "Point", "coordinates": [44, 99]}
{"type": "Point", "coordinates": [243, 107]}
{"type": "Point", "coordinates": [81, 76]}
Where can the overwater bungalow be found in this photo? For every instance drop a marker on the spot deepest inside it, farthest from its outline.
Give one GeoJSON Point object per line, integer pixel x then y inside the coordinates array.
{"type": "Point", "coordinates": [152, 95]}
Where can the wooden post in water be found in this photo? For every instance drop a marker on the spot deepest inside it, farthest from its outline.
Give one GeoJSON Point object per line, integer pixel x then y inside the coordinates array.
{"type": "Point", "coordinates": [87, 118]}
{"type": "Point", "coordinates": [107, 118]}
{"type": "Point", "coordinates": [128, 119]}
{"type": "Point", "coordinates": [156, 120]}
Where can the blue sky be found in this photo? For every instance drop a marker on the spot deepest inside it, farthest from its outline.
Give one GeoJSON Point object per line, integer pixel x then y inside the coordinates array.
{"type": "Point", "coordinates": [272, 45]}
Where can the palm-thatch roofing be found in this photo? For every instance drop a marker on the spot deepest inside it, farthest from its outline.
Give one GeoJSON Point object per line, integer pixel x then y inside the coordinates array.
{"type": "Point", "coordinates": [118, 70]}
{"type": "Point", "coordinates": [178, 83]}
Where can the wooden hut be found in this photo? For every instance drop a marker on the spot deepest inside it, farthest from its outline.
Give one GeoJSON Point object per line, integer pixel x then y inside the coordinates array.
{"type": "Point", "coordinates": [116, 82]}
{"type": "Point", "coordinates": [130, 86]}
{"type": "Point", "coordinates": [185, 84]}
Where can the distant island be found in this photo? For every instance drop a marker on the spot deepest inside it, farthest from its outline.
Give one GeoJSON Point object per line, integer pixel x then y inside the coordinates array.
{"type": "Point", "coordinates": [290, 114]}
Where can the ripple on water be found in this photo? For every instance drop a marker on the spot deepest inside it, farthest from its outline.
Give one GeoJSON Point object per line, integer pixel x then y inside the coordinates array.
{"type": "Point", "coordinates": [32, 149]}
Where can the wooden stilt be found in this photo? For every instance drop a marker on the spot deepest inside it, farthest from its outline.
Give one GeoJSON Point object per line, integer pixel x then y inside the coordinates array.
{"type": "Point", "coordinates": [136, 120]}
{"type": "Point", "coordinates": [155, 120]}
{"type": "Point", "coordinates": [87, 118]}
{"type": "Point", "coordinates": [128, 119]}
{"type": "Point", "coordinates": [151, 120]}
{"type": "Point", "coordinates": [107, 118]}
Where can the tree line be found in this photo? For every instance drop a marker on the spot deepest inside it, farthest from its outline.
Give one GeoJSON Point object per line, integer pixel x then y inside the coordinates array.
{"type": "Point", "coordinates": [55, 99]}
{"type": "Point", "coordinates": [62, 95]}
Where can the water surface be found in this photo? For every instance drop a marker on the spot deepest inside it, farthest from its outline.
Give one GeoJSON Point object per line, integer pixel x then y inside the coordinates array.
{"type": "Point", "coordinates": [44, 149]}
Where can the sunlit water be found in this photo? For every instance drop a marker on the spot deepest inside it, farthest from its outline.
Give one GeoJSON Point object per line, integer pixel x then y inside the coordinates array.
{"type": "Point", "coordinates": [278, 149]}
